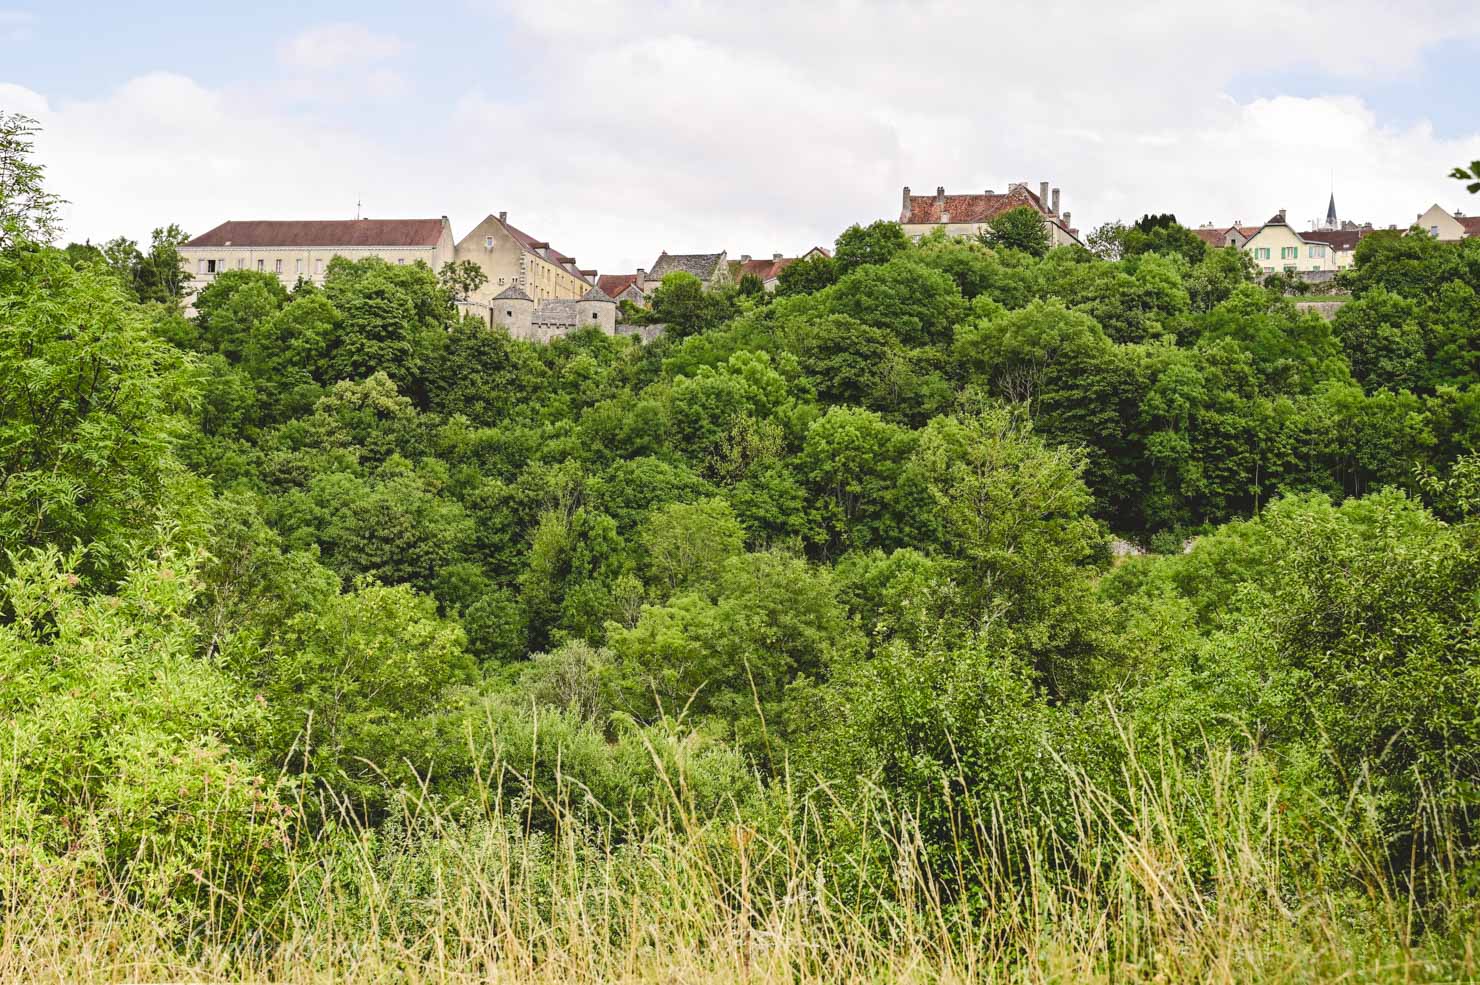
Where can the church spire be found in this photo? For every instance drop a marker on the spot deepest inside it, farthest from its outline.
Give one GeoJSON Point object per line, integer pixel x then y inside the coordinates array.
{"type": "Point", "coordinates": [1331, 212]}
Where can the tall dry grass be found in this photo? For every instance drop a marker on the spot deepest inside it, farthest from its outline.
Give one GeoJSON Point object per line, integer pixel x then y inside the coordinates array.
{"type": "Point", "coordinates": [1165, 876]}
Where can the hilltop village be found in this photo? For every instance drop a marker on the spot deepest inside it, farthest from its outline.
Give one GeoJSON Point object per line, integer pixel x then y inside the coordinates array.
{"type": "Point", "coordinates": [539, 293]}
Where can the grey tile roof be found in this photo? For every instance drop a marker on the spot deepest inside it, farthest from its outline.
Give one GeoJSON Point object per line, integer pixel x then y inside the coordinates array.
{"type": "Point", "coordinates": [596, 294]}
{"type": "Point", "coordinates": [701, 265]}
{"type": "Point", "coordinates": [512, 293]}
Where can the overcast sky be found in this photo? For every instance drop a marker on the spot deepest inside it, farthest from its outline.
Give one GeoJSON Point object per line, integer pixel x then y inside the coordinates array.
{"type": "Point", "coordinates": [616, 128]}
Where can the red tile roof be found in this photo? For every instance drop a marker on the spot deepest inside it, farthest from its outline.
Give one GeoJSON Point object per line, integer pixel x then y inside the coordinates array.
{"type": "Point", "coordinates": [1213, 237]}
{"type": "Point", "coordinates": [542, 249]}
{"type": "Point", "coordinates": [322, 232]}
{"type": "Point", "coordinates": [769, 269]}
{"type": "Point", "coordinates": [613, 285]}
{"type": "Point", "coordinates": [1471, 224]}
{"type": "Point", "coordinates": [1338, 239]}
{"type": "Point", "coordinates": [968, 208]}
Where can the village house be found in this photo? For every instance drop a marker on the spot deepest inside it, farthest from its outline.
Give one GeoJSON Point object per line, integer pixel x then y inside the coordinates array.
{"type": "Point", "coordinates": [1278, 247]}
{"type": "Point", "coordinates": [510, 257]}
{"type": "Point", "coordinates": [712, 269]}
{"type": "Point", "coordinates": [1218, 237]}
{"type": "Point", "coordinates": [1449, 226]}
{"type": "Point", "coordinates": [302, 248]}
{"type": "Point", "coordinates": [768, 272]}
{"type": "Point", "coordinates": [622, 287]}
{"type": "Point", "coordinates": [972, 214]}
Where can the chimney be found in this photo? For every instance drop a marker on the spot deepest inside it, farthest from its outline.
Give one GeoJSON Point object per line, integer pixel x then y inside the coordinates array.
{"type": "Point", "coordinates": [1282, 215]}
{"type": "Point", "coordinates": [1068, 223]}
{"type": "Point", "coordinates": [1055, 201]}
{"type": "Point", "coordinates": [1043, 193]}
{"type": "Point", "coordinates": [990, 192]}
{"type": "Point", "coordinates": [641, 275]}
{"type": "Point", "coordinates": [775, 257]}
{"type": "Point", "coordinates": [940, 196]}
{"type": "Point", "coordinates": [503, 217]}
{"type": "Point", "coordinates": [905, 206]}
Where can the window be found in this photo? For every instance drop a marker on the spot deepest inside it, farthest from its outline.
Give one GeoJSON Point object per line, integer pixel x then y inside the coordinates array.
{"type": "Point", "coordinates": [1317, 251]}
{"type": "Point", "coordinates": [1434, 231]}
{"type": "Point", "coordinates": [299, 264]}
{"type": "Point", "coordinates": [200, 266]}
{"type": "Point", "coordinates": [318, 268]}
{"type": "Point", "coordinates": [261, 265]}
{"type": "Point", "coordinates": [488, 242]}
{"type": "Point", "coordinates": [277, 265]}
{"type": "Point", "coordinates": [241, 263]}
{"type": "Point", "coordinates": [509, 313]}
{"type": "Point", "coordinates": [1289, 268]}
{"type": "Point", "coordinates": [1289, 252]}
{"type": "Point", "coordinates": [1261, 253]}
{"type": "Point", "coordinates": [400, 261]}
{"type": "Point", "coordinates": [1269, 270]}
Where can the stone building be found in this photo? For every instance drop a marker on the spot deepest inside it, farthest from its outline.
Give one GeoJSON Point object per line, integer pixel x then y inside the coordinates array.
{"type": "Point", "coordinates": [302, 248]}
{"type": "Point", "coordinates": [972, 214]}
{"type": "Point", "coordinates": [510, 257]}
{"type": "Point", "coordinates": [622, 287]}
{"type": "Point", "coordinates": [543, 321]}
{"type": "Point", "coordinates": [769, 271]}
{"type": "Point", "coordinates": [712, 269]}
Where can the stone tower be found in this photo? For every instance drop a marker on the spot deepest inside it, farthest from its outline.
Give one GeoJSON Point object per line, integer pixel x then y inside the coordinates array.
{"type": "Point", "coordinates": [596, 309]}
{"type": "Point", "coordinates": [514, 310]}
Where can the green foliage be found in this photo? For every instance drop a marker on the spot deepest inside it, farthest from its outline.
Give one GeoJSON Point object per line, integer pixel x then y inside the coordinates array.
{"type": "Point", "coordinates": [1022, 229]}
{"type": "Point", "coordinates": [862, 246]}
{"type": "Point", "coordinates": [28, 212]}
{"type": "Point", "coordinates": [89, 404]}
{"type": "Point", "coordinates": [807, 275]}
{"type": "Point", "coordinates": [834, 587]}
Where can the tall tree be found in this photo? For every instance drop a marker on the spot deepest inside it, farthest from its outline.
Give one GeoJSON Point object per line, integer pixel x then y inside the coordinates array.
{"type": "Point", "coordinates": [27, 210]}
{"type": "Point", "coordinates": [1021, 229]}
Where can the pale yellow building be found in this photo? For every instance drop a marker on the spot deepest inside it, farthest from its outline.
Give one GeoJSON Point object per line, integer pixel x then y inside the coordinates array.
{"type": "Point", "coordinates": [972, 214]}
{"type": "Point", "coordinates": [294, 249]}
{"type": "Point", "coordinates": [1276, 247]}
{"type": "Point", "coordinates": [1443, 224]}
{"type": "Point", "coordinates": [510, 257]}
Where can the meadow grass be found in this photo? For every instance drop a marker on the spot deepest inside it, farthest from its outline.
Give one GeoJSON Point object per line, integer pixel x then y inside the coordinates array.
{"type": "Point", "coordinates": [1164, 877]}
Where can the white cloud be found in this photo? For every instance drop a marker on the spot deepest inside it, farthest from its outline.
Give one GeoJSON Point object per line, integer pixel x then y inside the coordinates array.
{"type": "Point", "coordinates": [328, 47]}
{"type": "Point", "coordinates": [699, 129]}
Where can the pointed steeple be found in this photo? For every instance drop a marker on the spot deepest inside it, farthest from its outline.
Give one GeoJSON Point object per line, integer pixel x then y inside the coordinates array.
{"type": "Point", "coordinates": [1331, 212]}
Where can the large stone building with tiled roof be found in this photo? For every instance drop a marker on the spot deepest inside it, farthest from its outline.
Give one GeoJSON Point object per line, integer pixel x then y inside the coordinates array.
{"type": "Point", "coordinates": [302, 248]}
{"type": "Point", "coordinates": [510, 257]}
{"type": "Point", "coordinates": [972, 214]}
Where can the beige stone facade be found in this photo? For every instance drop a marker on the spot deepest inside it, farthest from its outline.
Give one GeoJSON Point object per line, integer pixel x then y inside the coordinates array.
{"type": "Point", "coordinates": [1442, 224]}
{"type": "Point", "coordinates": [972, 214]}
{"type": "Point", "coordinates": [510, 257]}
{"type": "Point", "coordinates": [544, 321]}
{"type": "Point", "coordinates": [302, 249]}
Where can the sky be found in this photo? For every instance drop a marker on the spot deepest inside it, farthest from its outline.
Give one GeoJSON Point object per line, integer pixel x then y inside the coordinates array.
{"type": "Point", "coordinates": [618, 128]}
